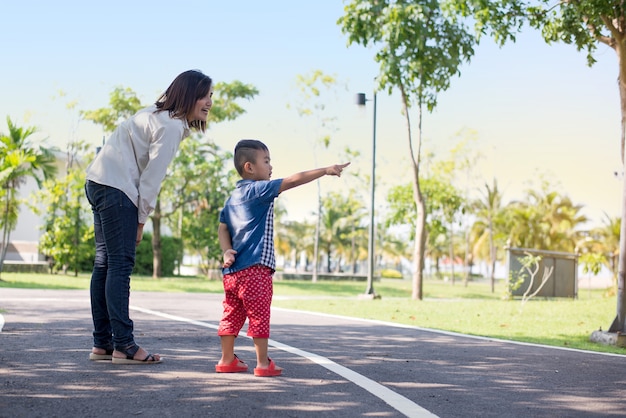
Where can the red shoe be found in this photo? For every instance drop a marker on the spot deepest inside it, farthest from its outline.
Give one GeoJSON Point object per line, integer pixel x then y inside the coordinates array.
{"type": "Point", "coordinates": [235, 366]}
{"type": "Point", "coordinates": [269, 371]}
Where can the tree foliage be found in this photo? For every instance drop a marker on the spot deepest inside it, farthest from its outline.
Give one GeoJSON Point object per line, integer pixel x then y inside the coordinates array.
{"type": "Point", "coordinates": [20, 159]}
{"type": "Point", "coordinates": [194, 191]}
{"type": "Point", "coordinates": [488, 233]}
{"type": "Point", "coordinates": [123, 103]}
{"type": "Point", "coordinates": [419, 48]}
{"type": "Point", "coordinates": [67, 238]}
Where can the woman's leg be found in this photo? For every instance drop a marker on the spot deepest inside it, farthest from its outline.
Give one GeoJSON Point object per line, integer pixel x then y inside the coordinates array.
{"type": "Point", "coordinates": [116, 226]}
{"type": "Point", "coordinates": [119, 226]}
{"type": "Point", "coordinates": [102, 334]}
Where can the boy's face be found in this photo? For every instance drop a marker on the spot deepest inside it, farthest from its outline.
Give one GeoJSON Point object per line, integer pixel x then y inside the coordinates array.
{"type": "Point", "coordinates": [260, 168]}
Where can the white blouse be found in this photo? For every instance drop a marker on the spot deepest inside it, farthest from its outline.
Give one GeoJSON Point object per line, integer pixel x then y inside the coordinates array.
{"type": "Point", "coordinates": [136, 156]}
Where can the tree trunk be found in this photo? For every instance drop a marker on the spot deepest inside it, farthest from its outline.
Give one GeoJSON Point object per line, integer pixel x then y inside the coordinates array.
{"type": "Point", "coordinates": [468, 260]}
{"type": "Point", "coordinates": [157, 270]}
{"type": "Point", "coordinates": [328, 259]}
{"type": "Point", "coordinates": [420, 248]}
{"type": "Point", "coordinates": [420, 222]}
{"type": "Point", "coordinates": [316, 244]}
{"type": "Point", "coordinates": [6, 232]}
{"type": "Point", "coordinates": [492, 256]}
{"type": "Point", "coordinates": [76, 236]}
{"type": "Point", "coordinates": [618, 324]}
{"type": "Point", "coordinates": [451, 253]}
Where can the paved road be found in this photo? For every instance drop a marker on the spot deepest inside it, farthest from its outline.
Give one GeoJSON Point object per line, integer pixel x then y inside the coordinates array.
{"type": "Point", "coordinates": [334, 367]}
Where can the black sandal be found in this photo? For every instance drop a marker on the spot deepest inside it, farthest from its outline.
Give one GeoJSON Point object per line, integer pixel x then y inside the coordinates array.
{"type": "Point", "coordinates": [130, 352]}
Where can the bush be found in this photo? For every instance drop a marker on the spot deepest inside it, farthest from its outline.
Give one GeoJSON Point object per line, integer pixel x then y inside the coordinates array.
{"type": "Point", "coordinates": [172, 253]}
{"type": "Point", "coordinates": [390, 274]}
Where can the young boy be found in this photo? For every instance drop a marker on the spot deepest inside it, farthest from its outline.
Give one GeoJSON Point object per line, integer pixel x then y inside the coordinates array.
{"type": "Point", "coordinates": [247, 230]}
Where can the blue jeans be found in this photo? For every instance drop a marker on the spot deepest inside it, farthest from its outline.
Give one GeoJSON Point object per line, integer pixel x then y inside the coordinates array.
{"type": "Point", "coordinates": [115, 227]}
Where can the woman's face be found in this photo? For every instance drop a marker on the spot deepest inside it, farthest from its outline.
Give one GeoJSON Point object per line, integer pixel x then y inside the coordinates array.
{"type": "Point", "coordinates": [201, 109]}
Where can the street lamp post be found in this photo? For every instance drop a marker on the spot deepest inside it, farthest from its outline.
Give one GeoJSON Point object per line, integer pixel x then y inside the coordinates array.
{"type": "Point", "coordinates": [361, 99]}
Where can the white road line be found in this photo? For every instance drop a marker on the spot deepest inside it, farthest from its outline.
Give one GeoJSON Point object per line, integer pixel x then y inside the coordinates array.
{"type": "Point", "coordinates": [375, 321]}
{"type": "Point", "coordinates": [395, 400]}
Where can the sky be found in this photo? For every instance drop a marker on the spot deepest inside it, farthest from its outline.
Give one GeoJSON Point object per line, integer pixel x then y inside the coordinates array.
{"type": "Point", "coordinates": [532, 110]}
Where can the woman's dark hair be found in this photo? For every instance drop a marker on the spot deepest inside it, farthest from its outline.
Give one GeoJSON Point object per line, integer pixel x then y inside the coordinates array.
{"type": "Point", "coordinates": [245, 151]}
{"type": "Point", "coordinates": [181, 96]}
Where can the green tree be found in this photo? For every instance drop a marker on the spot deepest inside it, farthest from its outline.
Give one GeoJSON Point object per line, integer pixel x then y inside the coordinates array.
{"type": "Point", "coordinates": [606, 240]}
{"type": "Point", "coordinates": [123, 103]}
{"type": "Point", "coordinates": [545, 220]}
{"type": "Point", "coordinates": [465, 159]}
{"type": "Point", "coordinates": [419, 49]}
{"type": "Point", "coordinates": [342, 234]}
{"type": "Point", "coordinates": [292, 238]}
{"type": "Point", "coordinates": [489, 215]}
{"type": "Point", "coordinates": [67, 237]}
{"type": "Point", "coordinates": [335, 209]}
{"type": "Point", "coordinates": [20, 159]}
{"type": "Point", "coordinates": [194, 191]}
{"type": "Point", "coordinates": [585, 24]}
{"type": "Point", "coordinates": [444, 205]}
{"type": "Point", "coordinates": [313, 89]}
{"type": "Point", "coordinates": [446, 200]}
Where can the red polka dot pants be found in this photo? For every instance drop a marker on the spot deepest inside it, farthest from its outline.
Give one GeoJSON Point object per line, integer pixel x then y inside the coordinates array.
{"type": "Point", "coordinates": [247, 294]}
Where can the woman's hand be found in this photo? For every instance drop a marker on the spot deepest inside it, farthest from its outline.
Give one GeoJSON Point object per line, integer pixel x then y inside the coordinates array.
{"type": "Point", "coordinates": [139, 234]}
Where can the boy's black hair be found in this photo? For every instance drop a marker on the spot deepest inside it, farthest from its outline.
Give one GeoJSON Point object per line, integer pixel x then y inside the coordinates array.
{"type": "Point", "coordinates": [245, 151]}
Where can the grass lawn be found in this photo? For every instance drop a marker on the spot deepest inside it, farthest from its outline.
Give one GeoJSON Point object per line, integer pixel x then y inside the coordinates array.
{"type": "Point", "coordinates": [470, 310]}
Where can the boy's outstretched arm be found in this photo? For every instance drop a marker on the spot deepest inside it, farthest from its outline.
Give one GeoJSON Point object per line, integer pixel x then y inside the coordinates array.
{"type": "Point", "coordinates": [304, 177]}
{"type": "Point", "coordinates": [226, 245]}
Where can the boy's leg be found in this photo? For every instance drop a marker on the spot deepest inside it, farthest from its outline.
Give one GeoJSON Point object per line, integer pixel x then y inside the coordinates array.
{"type": "Point", "coordinates": [228, 349]}
{"type": "Point", "coordinates": [258, 301]}
{"type": "Point", "coordinates": [260, 345]}
{"type": "Point", "coordinates": [263, 361]}
{"type": "Point", "coordinates": [229, 363]}
{"type": "Point", "coordinates": [233, 319]}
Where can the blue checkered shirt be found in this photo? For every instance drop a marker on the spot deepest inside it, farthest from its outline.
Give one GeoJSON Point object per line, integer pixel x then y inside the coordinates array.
{"type": "Point", "coordinates": [249, 215]}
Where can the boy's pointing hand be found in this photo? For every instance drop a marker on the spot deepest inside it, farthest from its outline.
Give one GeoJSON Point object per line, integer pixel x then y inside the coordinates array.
{"type": "Point", "coordinates": [335, 170]}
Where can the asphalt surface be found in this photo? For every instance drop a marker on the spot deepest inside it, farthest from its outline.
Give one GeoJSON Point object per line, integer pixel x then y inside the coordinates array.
{"type": "Point", "coordinates": [333, 367]}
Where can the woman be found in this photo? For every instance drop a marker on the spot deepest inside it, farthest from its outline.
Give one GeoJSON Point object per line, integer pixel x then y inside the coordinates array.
{"type": "Point", "coordinates": [122, 186]}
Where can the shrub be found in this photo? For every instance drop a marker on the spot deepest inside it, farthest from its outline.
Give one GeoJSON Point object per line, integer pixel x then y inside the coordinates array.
{"type": "Point", "coordinates": [172, 250]}
{"type": "Point", "coordinates": [391, 274]}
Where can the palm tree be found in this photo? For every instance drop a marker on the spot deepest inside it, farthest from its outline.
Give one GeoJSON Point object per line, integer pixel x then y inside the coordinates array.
{"type": "Point", "coordinates": [340, 215]}
{"type": "Point", "coordinates": [291, 237]}
{"type": "Point", "coordinates": [20, 159]}
{"type": "Point", "coordinates": [546, 220]}
{"type": "Point", "coordinates": [352, 234]}
{"type": "Point", "coordinates": [605, 240]}
{"type": "Point", "coordinates": [488, 210]}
